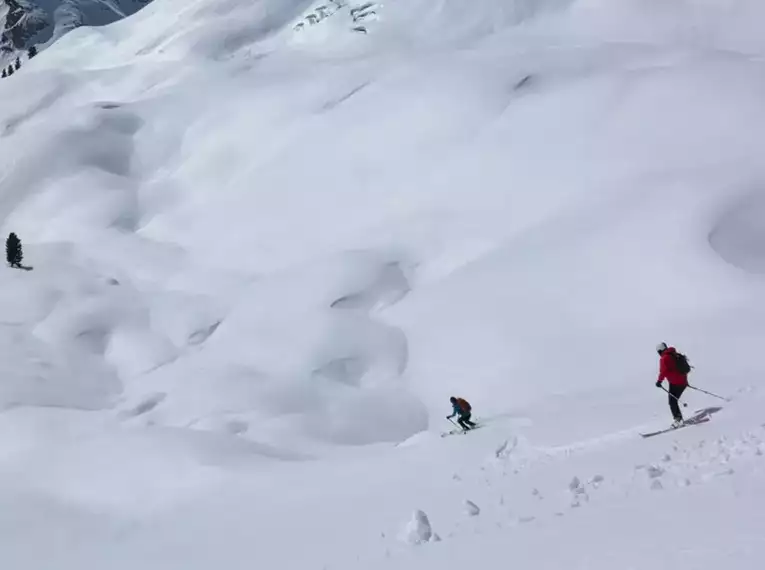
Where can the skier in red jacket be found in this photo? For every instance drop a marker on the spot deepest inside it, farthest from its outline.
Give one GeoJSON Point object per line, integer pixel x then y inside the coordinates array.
{"type": "Point", "coordinates": [678, 381]}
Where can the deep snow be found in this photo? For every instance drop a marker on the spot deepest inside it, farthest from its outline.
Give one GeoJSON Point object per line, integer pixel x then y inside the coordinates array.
{"type": "Point", "coordinates": [265, 254]}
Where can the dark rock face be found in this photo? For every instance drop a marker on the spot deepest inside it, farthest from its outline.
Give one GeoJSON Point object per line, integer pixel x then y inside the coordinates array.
{"type": "Point", "coordinates": [24, 23]}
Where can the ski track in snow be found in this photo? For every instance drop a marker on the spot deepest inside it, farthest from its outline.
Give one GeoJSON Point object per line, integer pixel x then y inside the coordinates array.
{"type": "Point", "coordinates": [510, 485]}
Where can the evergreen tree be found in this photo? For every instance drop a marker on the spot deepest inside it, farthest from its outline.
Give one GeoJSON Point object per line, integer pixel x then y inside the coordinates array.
{"type": "Point", "coordinates": [18, 63]}
{"type": "Point", "coordinates": [10, 70]}
{"type": "Point", "coordinates": [5, 73]}
{"type": "Point", "coordinates": [32, 52]}
{"type": "Point", "coordinates": [13, 251]}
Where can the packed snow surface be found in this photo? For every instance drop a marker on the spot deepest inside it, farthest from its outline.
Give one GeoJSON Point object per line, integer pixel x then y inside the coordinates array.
{"type": "Point", "coordinates": [266, 240]}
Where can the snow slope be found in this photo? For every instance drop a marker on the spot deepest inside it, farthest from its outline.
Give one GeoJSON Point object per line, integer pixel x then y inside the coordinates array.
{"type": "Point", "coordinates": [271, 238]}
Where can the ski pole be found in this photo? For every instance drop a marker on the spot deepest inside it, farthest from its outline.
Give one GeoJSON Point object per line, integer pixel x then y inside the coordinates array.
{"type": "Point", "coordinates": [709, 393]}
{"type": "Point", "coordinates": [675, 397]}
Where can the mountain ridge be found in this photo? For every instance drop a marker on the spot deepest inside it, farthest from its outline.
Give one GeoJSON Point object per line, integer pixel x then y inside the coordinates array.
{"type": "Point", "coordinates": [25, 23]}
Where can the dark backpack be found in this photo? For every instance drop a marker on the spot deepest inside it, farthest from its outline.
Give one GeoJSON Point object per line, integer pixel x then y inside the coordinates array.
{"type": "Point", "coordinates": [681, 363]}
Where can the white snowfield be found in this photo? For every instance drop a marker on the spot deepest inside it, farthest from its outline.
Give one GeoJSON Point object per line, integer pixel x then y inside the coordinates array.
{"type": "Point", "coordinates": [271, 238]}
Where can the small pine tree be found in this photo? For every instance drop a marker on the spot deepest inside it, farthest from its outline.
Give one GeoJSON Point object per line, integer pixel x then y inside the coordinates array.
{"type": "Point", "coordinates": [10, 70]}
{"type": "Point", "coordinates": [5, 73]}
{"type": "Point", "coordinates": [18, 63]}
{"type": "Point", "coordinates": [13, 252]}
{"type": "Point", "coordinates": [32, 52]}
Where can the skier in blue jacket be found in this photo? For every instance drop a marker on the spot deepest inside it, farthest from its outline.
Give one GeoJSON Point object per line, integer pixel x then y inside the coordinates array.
{"type": "Point", "coordinates": [461, 408]}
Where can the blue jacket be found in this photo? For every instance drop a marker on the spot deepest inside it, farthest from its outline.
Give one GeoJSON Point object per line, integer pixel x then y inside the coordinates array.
{"type": "Point", "coordinates": [457, 411]}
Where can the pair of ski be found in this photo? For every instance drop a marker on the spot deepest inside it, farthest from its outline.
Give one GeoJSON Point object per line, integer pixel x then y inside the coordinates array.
{"type": "Point", "coordinates": [699, 418]}
{"type": "Point", "coordinates": [459, 431]}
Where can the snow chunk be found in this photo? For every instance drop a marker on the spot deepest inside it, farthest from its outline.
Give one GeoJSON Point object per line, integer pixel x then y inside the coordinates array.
{"type": "Point", "coordinates": [471, 508]}
{"type": "Point", "coordinates": [575, 486]}
{"type": "Point", "coordinates": [578, 492]}
{"type": "Point", "coordinates": [654, 471]}
{"type": "Point", "coordinates": [147, 403]}
{"type": "Point", "coordinates": [418, 530]}
{"type": "Point", "coordinates": [503, 450]}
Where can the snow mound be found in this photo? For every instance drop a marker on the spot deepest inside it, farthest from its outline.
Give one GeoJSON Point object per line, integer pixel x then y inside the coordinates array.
{"type": "Point", "coordinates": [739, 235]}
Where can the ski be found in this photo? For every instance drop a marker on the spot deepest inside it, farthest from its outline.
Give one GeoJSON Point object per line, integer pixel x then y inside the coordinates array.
{"type": "Point", "coordinates": [459, 431]}
{"type": "Point", "coordinates": [666, 430]}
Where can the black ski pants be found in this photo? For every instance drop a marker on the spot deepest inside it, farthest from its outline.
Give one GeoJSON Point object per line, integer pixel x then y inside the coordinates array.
{"type": "Point", "coordinates": [675, 391]}
{"type": "Point", "coordinates": [464, 421]}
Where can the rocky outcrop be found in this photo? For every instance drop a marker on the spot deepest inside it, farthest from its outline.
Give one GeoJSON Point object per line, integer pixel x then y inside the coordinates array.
{"type": "Point", "coordinates": [24, 23]}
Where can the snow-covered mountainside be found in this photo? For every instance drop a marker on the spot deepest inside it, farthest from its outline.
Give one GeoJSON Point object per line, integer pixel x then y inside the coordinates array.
{"type": "Point", "coordinates": [25, 23]}
{"type": "Point", "coordinates": [266, 240]}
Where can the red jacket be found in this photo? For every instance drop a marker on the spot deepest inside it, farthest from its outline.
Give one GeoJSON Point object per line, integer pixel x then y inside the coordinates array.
{"type": "Point", "coordinates": [668, 369]}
